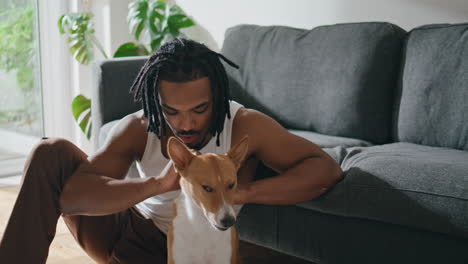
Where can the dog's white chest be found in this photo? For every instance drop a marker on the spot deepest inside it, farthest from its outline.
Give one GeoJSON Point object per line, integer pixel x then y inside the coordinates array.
{"type": "Point", "coordinates": [196, 241]}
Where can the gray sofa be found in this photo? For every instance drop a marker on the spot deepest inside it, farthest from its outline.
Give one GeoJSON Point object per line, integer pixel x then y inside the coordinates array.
{"type": "Point", "coordinates": [390, 106]}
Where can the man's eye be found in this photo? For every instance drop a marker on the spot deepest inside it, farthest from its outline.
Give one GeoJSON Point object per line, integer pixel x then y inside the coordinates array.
{"type": "Point", "coordinates": [207, 188]}
{"type": "Point", "coordinates": [201, 111]}
{"type": "Point", "coordinates": [169, 112]}
{"type": "Point", "coordinates": [230, 186]}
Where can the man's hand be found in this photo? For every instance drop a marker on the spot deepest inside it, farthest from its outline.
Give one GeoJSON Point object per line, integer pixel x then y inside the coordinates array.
{"type": "Point", "coordinates": [169, 178]}
{"type": "Point", "coordinates": [241, 193]}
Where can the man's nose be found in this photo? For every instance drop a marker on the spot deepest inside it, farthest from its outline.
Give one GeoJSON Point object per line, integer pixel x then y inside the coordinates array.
{"type": "Point", "coordinates": [187, 122]}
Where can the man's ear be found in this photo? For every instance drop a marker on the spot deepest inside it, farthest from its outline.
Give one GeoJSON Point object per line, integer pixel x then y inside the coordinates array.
{"type": "Point", "coordinates": [179, 154]}
{"type": "Point", "coordinates": [238, 152]}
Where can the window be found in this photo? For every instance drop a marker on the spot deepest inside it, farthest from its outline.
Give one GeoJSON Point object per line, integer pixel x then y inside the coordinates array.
{"type": "Point", "coordinates": [21, 118]}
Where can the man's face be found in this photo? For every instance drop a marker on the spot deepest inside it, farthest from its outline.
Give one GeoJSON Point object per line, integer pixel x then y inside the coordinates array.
{"type": "Point", "coordinates": [187, 108]}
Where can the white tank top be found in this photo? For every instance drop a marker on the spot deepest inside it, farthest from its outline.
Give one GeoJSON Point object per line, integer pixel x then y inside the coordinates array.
{"type": "Point", "coordinates": [159, 208]}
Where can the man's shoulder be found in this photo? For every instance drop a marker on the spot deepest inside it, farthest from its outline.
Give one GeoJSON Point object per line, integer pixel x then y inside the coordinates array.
{"type": "Point", "coordinates": [247, 118]}
{"type": "Point", "coordinates": [252, 123]}
{"type": "Point", "coordinates": [130, 133]}
{"type": "Point", "coordinates": [133, 123]}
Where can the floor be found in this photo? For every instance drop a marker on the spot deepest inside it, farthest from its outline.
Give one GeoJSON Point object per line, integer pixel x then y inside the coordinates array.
{"type": "Point", "coordinates": [65, 250]}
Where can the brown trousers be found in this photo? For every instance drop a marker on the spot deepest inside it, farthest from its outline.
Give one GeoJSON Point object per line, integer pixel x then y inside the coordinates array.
{"type": "Point", "coordinates": [124, 237]}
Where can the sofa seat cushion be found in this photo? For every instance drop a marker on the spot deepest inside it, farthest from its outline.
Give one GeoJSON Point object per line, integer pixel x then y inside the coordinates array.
{"type": "Point", "coordinates": [326, 141]}
{"type": "Point", "coordinates": [332, 145]}
{"type": "Point", "coordinates": [402, 183]}
{"type": "Point", "coordinates": [331, 239]}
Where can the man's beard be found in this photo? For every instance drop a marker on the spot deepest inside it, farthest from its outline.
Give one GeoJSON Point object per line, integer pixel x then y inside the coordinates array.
{"type": "Point", "coordinates": [204, 141]}
{"type": "Point", "coordinates": [201, 142]}
{"type": "Point", "coordinates": [197, 145]}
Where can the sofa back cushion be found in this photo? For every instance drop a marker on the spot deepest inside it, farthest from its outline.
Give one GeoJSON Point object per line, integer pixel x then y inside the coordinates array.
{"type": "Point", "coordinates": [110, 94]}
{"type": "Point", "coordinates": [337, 80]}
{"type": "Point", "coordinates": [434, 88]}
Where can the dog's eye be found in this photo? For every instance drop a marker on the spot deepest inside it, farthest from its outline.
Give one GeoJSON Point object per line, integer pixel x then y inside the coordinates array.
{"type": "Point", "coordinates": [230, 186]}
{"type": "Point", "coordinates": [207, 188]}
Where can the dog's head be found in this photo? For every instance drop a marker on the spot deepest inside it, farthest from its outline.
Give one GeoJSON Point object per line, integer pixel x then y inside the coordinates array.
{"type": "Point", "coordinates": [210, 179]}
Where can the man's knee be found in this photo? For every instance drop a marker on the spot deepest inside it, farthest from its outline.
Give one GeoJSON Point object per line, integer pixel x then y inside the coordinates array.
{"type": "Point", "coordinates": [48, 148]}
{"type": "Point", "coordinates": [55, 155]}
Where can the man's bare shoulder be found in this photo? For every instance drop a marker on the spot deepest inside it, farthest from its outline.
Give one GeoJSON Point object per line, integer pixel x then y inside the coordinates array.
{"type": "Point", "coordinates": [252, 123]}
{"type": "Point", "coordinates": [129, 134]}
{"type": "Point", "coordinates": [249, 120]}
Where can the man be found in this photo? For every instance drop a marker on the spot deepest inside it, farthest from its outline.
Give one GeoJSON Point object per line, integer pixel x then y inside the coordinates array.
{"type": "Point", "coordinates": [184, 92]}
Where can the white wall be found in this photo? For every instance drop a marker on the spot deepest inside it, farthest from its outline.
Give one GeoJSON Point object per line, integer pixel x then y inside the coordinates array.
{"type": "Point", "coordinates": [215, 16]}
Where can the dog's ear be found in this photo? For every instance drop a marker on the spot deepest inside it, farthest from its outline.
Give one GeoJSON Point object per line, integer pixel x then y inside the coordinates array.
{"type": "Point", "coordinates": [179, 154]}
{"type": "Point", "coordinates": [238, 152]}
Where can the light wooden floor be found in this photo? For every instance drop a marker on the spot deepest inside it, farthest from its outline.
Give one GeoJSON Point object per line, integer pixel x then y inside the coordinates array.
{"type": "Point", "coordinates": [65, 250]}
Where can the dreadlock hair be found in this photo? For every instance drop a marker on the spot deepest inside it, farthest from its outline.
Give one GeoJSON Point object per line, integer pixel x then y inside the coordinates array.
{"type": "Point", "coordinates": [182, 60]}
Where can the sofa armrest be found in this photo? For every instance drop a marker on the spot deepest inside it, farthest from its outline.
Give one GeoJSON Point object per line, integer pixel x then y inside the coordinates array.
{"type": "Point", "coordinates": [110, 96]}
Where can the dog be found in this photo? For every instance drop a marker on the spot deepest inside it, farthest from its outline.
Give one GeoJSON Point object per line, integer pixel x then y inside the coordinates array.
{"type": "Point", "coordinates": [202, 229]}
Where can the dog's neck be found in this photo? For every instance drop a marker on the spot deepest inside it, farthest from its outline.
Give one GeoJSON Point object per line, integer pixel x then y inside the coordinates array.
{"type": "Point", "coordinates": [195, 239]}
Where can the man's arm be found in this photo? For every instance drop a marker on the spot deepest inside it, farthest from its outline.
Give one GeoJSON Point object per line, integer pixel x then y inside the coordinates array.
{"type": "Point", "coordinates": [98, 186]}
{"type": "Point", "coordinates": [306, 171]}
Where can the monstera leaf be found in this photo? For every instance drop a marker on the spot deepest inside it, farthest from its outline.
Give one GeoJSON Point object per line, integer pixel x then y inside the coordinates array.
{"type": "Point", "coordinates": [79, 29]}
{"type": "Point", "coordinates": [130, 49]}
{"type": "Point", "coordinates": [152, 22]}
{"type": "Point", "coordinates": [81, 109]}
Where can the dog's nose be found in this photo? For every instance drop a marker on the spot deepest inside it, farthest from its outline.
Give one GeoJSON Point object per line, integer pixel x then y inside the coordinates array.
{"type": "Point", "coordinates": [228, 221]}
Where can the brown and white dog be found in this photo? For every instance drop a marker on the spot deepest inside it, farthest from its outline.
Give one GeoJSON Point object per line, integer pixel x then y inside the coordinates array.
{"type": "Point", "coordinates": [202, 229]}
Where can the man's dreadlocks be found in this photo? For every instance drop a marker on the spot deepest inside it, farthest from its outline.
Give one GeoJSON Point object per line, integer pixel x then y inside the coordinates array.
{"type": "Point", "coordinates": [182, 60]}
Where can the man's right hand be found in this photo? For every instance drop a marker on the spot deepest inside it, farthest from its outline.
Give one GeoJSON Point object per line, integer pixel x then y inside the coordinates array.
{"type": "Point", "coordinates": [169, 178]}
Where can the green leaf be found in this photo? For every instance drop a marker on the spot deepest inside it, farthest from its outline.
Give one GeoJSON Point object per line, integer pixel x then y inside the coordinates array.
{"type": "Point", "coordinates": [79, 104]}
{"type": "Point", "coordinates": [154, 21]}
{"type": "Point", "coordinates": [130, 49]}
{"type": "Point", "coordinates": [179, 21]}
{"type": "Point", "coordinates": [85, 124]}
{"type": "Point", "coordinates": [60, 24]}
{"type": "Point", "coordinates": [79, 28]}
{"type": "Point", "coordinates": [137, 15]}
{"type": "Point", "coordinates": [156, 42]}
{"type": "Point", "coordinates": [81, 109]}
{"type": "Point", "coordinates": [156, 18]}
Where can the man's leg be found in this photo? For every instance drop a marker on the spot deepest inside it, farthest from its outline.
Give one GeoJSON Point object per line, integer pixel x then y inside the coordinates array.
{"type": "Point", "coordinates": [141, 242]}
{"type": "Point", "coordinates": [32, 224]}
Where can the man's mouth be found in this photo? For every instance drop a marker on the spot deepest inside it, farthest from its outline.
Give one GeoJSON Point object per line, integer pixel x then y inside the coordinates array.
{"type": "Point", "coordinates": [188, 139]}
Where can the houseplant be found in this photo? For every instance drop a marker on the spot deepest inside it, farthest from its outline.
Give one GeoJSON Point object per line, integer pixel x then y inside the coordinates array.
{"type": "Point", "coordinates": [151, 23]}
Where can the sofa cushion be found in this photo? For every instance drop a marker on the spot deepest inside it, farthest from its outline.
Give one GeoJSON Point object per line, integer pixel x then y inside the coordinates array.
{"type": "Point", "coordinates": [403, 183]}
{"type": "Point", "coordinates": [332, 145]}
{"type": "Point", "coordinates": [326, 141]}
{"type": "Point", "coordinates": [433, 109]}
{"type": "Point", "coordinates": [111, 98]}
{"type": "Point", "coordinates": [331, 239]}
{"type": "Point", "coordinates": [337, 80]}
